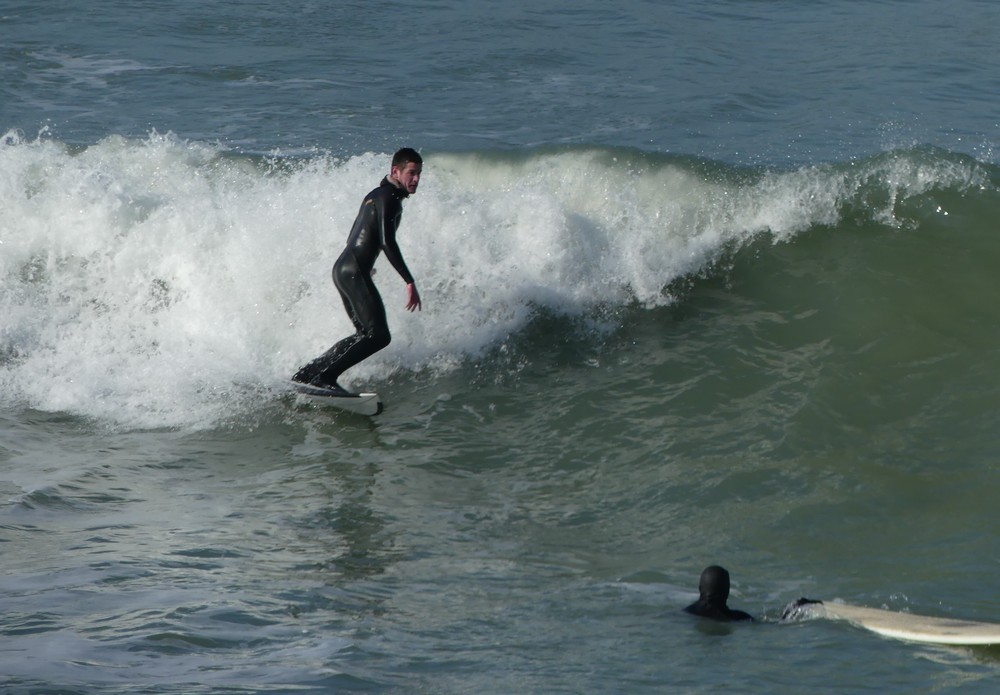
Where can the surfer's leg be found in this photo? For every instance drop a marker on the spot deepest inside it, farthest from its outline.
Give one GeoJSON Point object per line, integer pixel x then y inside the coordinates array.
{"type": "Point", "coordinates": [368, 314]}
{"type": "Point", "coordinates": [364, 306]}
{"type": "Point", "coordinates": [309, 373]}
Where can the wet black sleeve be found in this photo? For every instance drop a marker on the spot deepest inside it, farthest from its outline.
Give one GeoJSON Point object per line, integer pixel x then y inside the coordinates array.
{"type": "Point", "coordinates": [390, 213]}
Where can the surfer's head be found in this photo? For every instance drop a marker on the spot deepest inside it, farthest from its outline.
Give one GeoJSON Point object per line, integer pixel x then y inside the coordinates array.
{"type": "Point", "coordinates": [406, 167]}
{"type": "Point", "coordinates": [714, 585]}
{"type": "Point", "coordinates": [714, 589]}
{"type": "Point", "coordinates": [406, 155]}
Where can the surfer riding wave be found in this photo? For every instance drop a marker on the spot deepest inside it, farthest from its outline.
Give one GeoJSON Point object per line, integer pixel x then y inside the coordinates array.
{"type": "Point", "coordinates": [374, 232]}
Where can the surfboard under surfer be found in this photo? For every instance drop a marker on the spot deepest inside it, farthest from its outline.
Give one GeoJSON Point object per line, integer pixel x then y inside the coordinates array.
{"type": "Point", "coordinates": [374, 232]}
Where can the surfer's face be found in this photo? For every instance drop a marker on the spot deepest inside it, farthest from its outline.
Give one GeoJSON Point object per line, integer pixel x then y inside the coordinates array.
{"type": "Point", "coordinates": [408, 176]}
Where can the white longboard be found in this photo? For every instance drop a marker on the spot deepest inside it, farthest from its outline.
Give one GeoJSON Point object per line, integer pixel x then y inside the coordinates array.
{"type": "Point", "coordinates": [361, 403]}
{"type": "Point", "coordinates": [906, 626]}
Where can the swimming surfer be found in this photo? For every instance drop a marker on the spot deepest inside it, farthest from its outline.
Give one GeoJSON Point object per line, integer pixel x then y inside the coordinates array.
{"type": "Point", "coordinates": [713, 590]}
{"type": "Point", "coordinates": [374, 231]}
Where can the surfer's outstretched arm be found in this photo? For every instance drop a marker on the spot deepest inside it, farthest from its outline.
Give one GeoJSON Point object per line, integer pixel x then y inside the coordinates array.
{"type": "Point", "coordinates": [795, 611]}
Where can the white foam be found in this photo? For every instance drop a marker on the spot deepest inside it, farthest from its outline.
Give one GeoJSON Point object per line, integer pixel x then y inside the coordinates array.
{"type": "Point", "coordinates": [157, 283]}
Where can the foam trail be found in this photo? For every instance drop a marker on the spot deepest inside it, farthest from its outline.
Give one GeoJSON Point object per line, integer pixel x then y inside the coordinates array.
{"type": "Point", "coordinates": [162, 283]}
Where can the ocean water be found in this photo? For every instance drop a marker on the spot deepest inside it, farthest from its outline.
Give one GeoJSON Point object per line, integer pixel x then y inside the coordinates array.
{"type": "Point", "coordinates": [703, 284]}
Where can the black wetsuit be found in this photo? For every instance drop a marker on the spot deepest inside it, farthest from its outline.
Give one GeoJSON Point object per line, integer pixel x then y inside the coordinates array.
{"type": "Point", "coordinates": [374, 231]}
{"type": "Point", "coordinates": [713, 589]}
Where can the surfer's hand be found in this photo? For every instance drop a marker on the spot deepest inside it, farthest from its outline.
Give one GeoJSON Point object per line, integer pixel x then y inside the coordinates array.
{"type": "Point", "coordinates": [793, 611]}
{"type": "Point", "coordinates": [412, 298]}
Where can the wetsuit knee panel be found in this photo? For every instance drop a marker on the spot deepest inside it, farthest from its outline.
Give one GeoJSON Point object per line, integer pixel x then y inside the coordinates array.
{"type": "Point", "coordinates": [379, 336]}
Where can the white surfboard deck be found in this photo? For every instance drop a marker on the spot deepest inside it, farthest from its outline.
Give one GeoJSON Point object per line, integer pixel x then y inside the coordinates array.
{"type": "Point", "coordinates": [361, 403]}
{"type": "Point", "coordinates": [910, 627]}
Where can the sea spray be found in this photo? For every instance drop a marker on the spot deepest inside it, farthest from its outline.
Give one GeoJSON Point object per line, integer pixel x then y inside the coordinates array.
{"type": "Point", "coordinates": [166, 283]}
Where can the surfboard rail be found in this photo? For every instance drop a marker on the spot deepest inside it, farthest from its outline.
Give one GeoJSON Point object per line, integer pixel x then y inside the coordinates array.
{"type": "Point", "coordinates": [909, 626]}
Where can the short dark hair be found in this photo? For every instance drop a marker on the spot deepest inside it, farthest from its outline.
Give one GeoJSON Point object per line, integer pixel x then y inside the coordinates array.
{"type": "Point", "coordinates": [405, 156]}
